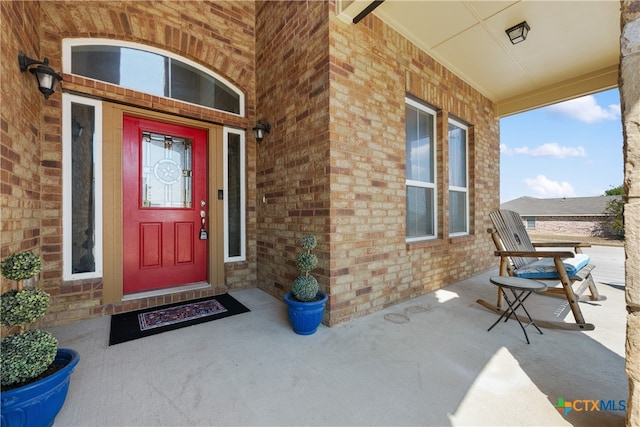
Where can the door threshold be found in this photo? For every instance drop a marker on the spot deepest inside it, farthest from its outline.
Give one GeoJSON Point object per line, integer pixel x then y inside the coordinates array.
{"type": "Point", "coordinates": [166, 291]}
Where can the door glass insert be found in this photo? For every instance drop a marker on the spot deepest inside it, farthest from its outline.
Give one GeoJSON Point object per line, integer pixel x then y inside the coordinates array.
{"type": "Point", "coordinates": [234, 194]}
{"type": "Point", "coordinates": [166, 171]}
{"type": "Point", "coordinates": [83, 119]}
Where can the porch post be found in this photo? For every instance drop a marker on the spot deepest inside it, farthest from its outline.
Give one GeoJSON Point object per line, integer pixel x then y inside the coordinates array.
{"type": "Point", "coordinates": [629, 84]}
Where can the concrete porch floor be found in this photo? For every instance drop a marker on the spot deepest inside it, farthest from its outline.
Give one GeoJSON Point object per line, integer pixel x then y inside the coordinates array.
{"type": "Point", "coordinates": [429, 362]}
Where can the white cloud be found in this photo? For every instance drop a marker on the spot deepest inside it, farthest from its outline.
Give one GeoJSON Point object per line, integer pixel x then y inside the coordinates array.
{"type": "Point", "coordinates": [544, 187]}
{"type": "Point", "coordinates": [586, 109]}
{"type": "Point", "coordinates": [552, 149]}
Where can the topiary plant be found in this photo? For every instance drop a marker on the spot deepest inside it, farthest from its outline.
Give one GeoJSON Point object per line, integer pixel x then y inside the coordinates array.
{"type": "Point", "coordinates": [23, 307]}
{"type": "Point", "coordinates": [305, 287]}
{"type": "Point", "coordinates": [21, 265]}
{"type": "Point", "coordinates": [26, 354]}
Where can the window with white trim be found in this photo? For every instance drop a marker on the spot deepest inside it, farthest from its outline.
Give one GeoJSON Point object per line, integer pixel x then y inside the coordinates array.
{"type": "Point", "coordinates": [531, 222]}
{"type": "Point", "coordinates": [420, 127]}
{"type": "Point", "coordinates": [152, 71]}
{"type": "Point", "coordinates": [82, 187]}
{"type": "Point", "coordinates": [458, 179]}
{"type": "Point", "coordinates": [234, 200]}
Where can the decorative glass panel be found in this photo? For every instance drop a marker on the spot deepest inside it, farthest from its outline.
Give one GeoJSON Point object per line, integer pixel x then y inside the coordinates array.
{"type": "Point", "coordinates": [234, 194]}
{"type": "Point", "coordinates": [166, 171]}
{"type": "Point", "coordinates": [83, 188]}
{"type": "Point", "coordinates": [191, 85]}
{"type": "Point", "coordinates": [153, 73]}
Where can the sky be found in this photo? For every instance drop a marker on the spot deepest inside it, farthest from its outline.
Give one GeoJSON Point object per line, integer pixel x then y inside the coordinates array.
{"type": "Point", "coordinates": [570, 149]}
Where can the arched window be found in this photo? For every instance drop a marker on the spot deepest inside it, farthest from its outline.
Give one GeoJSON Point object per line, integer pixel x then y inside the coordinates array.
{"type": "Point", "coordinates": [152, 71]}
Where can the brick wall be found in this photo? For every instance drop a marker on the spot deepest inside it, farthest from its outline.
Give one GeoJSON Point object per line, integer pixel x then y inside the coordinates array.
{"type": "Point", "coordinates": [218, 35]}
{"type": "Point", "coordinates": [570, 226]}
{"type": "Point", "coordinates": [334, 165]}
{"type": "Point", "coordinates": [20, 119]}
{"type": "Point", "coordinates": [372, 68]}
{"type": "Point", "coordinates": [292, 64]}
{"type": "Point", "coordinates": [20, 133]}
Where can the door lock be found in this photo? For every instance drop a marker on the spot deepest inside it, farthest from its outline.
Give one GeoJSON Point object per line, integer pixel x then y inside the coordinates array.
{"type": "Point", "coordinates": [203, 234]}
{"type": "Point", "coordinates": [203, 229]}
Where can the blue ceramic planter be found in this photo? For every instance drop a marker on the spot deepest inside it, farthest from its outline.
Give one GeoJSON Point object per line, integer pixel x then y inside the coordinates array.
{"type": "Point", "coordinates": [38, 403]}
{"type": "Point", "coordinates": [305, 317]}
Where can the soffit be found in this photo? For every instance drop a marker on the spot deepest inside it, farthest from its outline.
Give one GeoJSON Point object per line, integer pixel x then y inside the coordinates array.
{"type": "Point", "coordinates": [572, 48]}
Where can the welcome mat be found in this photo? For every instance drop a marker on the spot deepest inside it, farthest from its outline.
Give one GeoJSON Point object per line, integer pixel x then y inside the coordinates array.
{"type": "Point", "coordinates": [150, 321]}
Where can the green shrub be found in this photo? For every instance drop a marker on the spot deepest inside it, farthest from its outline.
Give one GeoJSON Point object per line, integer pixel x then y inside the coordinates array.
{"type": "Point", "coordinates": [21, 265]}
{"type": "Point", "coordinates": [306, 262]}
{"type": "Point", "coordinates": [309, 242]}
{"type": "Point", "coordinates": [23, 307]}
{"type": "Point", "coordinates": [305, 288]}
{"type": "Point", "coordinates": [27, 355]}
{"type": "Point", "coordinates": [615, 217]}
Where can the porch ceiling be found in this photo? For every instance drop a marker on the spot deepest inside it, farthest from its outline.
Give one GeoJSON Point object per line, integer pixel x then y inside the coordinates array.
{"type": "Point", "coordinates": [572, 48]}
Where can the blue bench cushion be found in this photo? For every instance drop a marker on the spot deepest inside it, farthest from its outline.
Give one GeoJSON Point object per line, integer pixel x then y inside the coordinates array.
{"type": "Point", "coordinates": [545, 268]}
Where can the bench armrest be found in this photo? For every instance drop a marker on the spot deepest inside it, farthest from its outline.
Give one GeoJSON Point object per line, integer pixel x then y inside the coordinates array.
{"type": "Point", "coordinates": [536, 254]}
{"type": "Point", "coordinates": [561, 244]}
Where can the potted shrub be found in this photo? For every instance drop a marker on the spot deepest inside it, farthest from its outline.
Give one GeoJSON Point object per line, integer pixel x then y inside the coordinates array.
{"type": "Point", "coordinates": [34, 372]}
{"type": "Point", "coordinates": [305, 301]}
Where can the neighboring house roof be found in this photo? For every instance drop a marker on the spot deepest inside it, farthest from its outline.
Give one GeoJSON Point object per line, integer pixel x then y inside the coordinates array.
{"type": "Point", "coordinates": [565, 206]}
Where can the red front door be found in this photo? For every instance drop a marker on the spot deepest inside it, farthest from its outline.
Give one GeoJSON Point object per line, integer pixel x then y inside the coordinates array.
{"type": "Point", "coordinates": [164, 203]}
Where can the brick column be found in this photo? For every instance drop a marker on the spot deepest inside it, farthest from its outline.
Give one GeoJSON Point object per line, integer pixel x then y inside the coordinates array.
{"type": "Point", "coordinates": [630, 101]}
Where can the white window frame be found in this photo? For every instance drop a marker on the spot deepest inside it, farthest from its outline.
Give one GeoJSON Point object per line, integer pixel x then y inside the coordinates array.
{"type": "Point", "coordinates": [242, 256]}
{"type": "Point", "coordinates": [67, 44]}
{"type": "Point", "coordinates": [464, 190]}
{"type": "Point", "coordinates": [422, 184]}
{"type": "Point", "coordinates": [530, 222]}
{"type": "Point", "coordinates": [67, 188]}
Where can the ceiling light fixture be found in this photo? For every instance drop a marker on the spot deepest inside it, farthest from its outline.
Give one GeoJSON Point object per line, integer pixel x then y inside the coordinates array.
{"type": "Point", "coordinates": [518, 33]}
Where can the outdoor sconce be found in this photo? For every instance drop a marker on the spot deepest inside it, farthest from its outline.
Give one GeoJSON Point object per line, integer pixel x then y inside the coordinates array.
{"type": "Point", "coordinates": [260, 130]}
{"type": "Point", "coordinates": [46, 77]}
{"type": "Point", "coordinates": [518, 33]}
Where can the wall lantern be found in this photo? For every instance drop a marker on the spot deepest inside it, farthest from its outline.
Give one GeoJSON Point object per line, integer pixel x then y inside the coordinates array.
{"type": "Point", "coordinates": [260, 130]}
{"type": "Point", "coordinates": [518, 33]}
{"type": "Point", "coordinates": [46, 77]}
